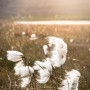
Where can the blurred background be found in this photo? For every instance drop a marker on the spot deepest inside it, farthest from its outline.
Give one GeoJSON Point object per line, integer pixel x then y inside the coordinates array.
{"type": "Point", "coordinates": [45, 9]}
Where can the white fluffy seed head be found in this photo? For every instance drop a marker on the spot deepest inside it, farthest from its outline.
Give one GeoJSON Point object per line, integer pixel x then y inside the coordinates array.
{"type": "Point", "coordinates": [58, 52]}
{"type": "Point", "coordinates": [27, 70]}
{"type": "Point", "coordinates": [44, 76]}
{"type": "Point", "coordinates": [18, 67]}
{"type": "Point", "coordinates": [14, 56]}
{"type": "Point", "coordinates": [45, 48]}
{"type": "Point", "coordinates": [25, 73]}
{"type": "Point", "coordinates": [73, 73]}
{"type": "Point", "coordinates": [45, 64]}
{"type": "Point", "coordinates": [44, 69]}
{"type": "Point", "coordinates": [71, 80]}
{"type": "Point", "coordinates": [23, 70]}
{"type": "Point", "coordinates": [25, 81]}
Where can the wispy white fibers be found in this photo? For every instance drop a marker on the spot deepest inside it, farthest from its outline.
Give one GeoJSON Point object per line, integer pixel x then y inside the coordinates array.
{"type": "Point", "coordinates": [45, 48]}
{"type": "Point", "coordinates": [18, 67]}
{"type": "Point", "coordinates": [71, 80]}
{"type": "Point", "coordinates": [25, 81]}
{"type": "Point", "coordinates": [14, 56]}
{"type": "Point", "coordinates": [24, 72]}
{"type": "Point", "coordinates": [56, 59]}
{"type": "Point", "coordinates": [44, 76]}
{"type": "Point", "coordinates": [45, 64]}
{"type": "Point", "coordinates": [58, 52]}
{"type": "Point", "coordinates": [44, 69]}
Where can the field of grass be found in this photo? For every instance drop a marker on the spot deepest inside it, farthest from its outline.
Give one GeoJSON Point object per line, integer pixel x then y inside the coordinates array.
{"type": "Point", "coordinates": [78, 57]}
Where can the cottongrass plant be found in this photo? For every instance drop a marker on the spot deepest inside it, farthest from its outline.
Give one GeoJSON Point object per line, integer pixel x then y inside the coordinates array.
{"type": "Point", "coordinates": [44, 69]}
{"type": "Point", "coordinates": [71, 80]}
{"type": "Point", "coordinates": [56, 58]}
{"type": "Point", "coordinates": [56, 52]}
{"type": "Point", "coordinates": [45, 49]}
{"type": "Point", "coordinates": [24, 72]}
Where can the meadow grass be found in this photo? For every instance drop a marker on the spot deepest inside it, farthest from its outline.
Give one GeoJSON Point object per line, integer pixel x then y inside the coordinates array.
{"type": "Point", "coordinates": [77, 38]}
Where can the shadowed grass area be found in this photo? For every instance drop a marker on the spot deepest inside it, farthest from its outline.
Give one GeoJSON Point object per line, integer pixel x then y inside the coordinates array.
{"type": "Point", "coordinates": [77, 38]}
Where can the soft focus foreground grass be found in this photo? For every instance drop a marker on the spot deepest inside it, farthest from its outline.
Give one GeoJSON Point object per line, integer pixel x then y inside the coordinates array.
{"type": "Point", "coordinates": [78, 57]}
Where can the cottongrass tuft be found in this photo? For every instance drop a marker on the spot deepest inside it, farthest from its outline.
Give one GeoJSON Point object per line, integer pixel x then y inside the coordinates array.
{"type": "Point", "coordinates": [14, 56]}
{"type": "Point", "coordinates": [44, 69]}
{"type": "Point", "coordinates": [71, 80]}
{"type": "Point", "coordinates": [58, 52]}
{"type": "Point", "coordinates": [24, 72]}
{"type": "Point", "coordinates": [45, 48]}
